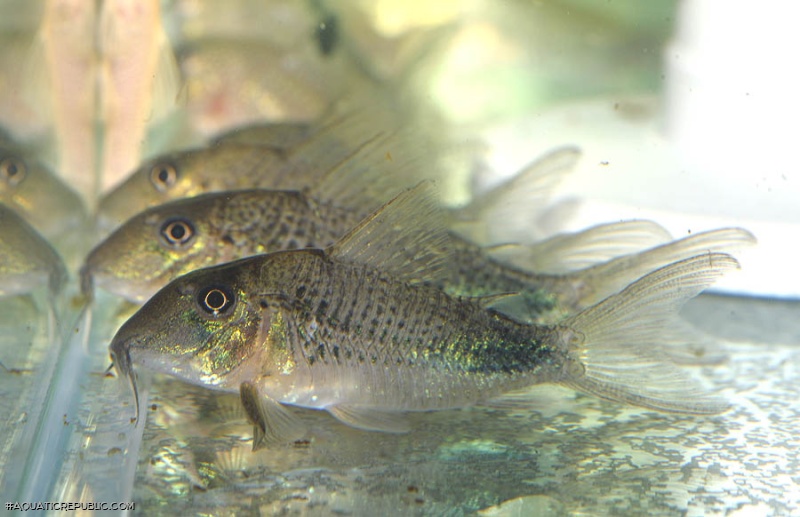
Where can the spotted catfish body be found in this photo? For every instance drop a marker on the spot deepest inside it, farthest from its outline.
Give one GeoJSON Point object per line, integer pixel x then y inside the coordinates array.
{"type": "Point", "coordinates": [164, 242]}
{"type": "Point", "coordinates": [358, 331]}
{"type": "Point", "coordinates": [167, 241]}
{"type": "Point", "coordinates": [348, 145]}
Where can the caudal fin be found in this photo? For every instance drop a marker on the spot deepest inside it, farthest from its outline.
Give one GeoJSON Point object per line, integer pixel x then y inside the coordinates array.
{"type": "Point", "coordinates": [598, 282]}
{"type": "Point", "coordinates": [568, 252]}
{"type": "Point", "coordinates": [618, 343]}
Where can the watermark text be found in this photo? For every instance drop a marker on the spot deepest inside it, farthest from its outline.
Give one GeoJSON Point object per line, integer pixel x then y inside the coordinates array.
{"type": "Point", "coordinates": [69, 507]}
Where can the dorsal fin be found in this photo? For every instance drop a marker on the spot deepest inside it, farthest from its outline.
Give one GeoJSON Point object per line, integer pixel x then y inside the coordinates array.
{"type": "Point", "coordinates": [378, 168]}
{"type": "Point", "coordinates": [520, 199]}
{"type": "Point", "coordinates": [405, 237]}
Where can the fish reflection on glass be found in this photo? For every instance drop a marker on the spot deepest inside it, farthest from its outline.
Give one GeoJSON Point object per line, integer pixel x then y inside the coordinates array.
{"type": "Point", "coordinates": [31, 189]}
{"type": "Point", "coordinates": [27, 261]}
{"type": "Point", "coordinates": [139, 79]}
{"type": "Point", "coordinates": [280, 60]}
{"type": "Point", "coordinates": [65, 64]}
{"type": "Point", "coordinates": [232, 162]}
{"type": "Point", "coordinates": [22, 101]}
{"type": "Point", "coordinates": [357, 330]}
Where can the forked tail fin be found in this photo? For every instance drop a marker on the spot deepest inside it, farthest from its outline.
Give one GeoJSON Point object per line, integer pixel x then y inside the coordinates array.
{"type": "Point", "coordinates": [617, 343]}
{"type": "Point", "coordinates": [600, 281]}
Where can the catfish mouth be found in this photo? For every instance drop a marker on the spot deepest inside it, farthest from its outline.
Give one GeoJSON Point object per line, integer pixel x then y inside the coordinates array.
{"type": "Point", "coordinates": [120, 355]}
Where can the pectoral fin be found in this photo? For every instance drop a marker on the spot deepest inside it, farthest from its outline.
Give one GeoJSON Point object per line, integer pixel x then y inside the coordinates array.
{"type": "Point", "coordinates": [272, 423]}
{"type": "Point", "coordinates": [370, 419]}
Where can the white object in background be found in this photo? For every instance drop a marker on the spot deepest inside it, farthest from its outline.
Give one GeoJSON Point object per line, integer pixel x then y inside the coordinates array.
{"type": "Point", "coordinates": [717, 150]}
{"type": "Point", "coordinates": [733, 91]}
{"type": "Point", "coordinates": [630, 171]}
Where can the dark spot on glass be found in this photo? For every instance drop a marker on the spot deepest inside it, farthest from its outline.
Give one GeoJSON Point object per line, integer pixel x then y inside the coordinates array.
{"type": "Point", "coordinates": [335, 352]}
{"type": "Point", "coordinates": [311, 360]}
{"type": "Point", "coordinates": [323, 306]}
{"type": "Point", "coordinates": [301, 291]}
{"type": "Point", "coordinates": [263, 304]}
{"type": "Point", "coordinates": [327, 34]}
{"type": "Point", "coordinates": [321, 352]}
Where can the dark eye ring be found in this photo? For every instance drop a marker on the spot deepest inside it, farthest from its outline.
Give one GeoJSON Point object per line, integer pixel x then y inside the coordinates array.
{"type": "Point", "coordinates": [177, 232]}
{"type": "Point", "coordinates": [163, 176]}
{"type": "Point", "coordinates": [215, 299]}
{"type": "Point", "coordinates": [13, 171]}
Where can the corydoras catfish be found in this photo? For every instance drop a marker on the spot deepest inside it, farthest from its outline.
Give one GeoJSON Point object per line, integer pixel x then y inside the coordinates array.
{"type": "Point", "coordinates": [357, 330]}
{"type": "Point", "coordinates": [165, 241]}
{"type": "Point", "coordinates": [346, 143]}
{"type": "Point", "coordinates": [27, 261]}
{"type": "Point", "coordinates": [35, 192]}
{"type": "Point", "coordinates": [161, 243]}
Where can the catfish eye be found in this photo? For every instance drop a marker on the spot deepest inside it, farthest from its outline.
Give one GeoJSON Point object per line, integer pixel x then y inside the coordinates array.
{"type": "Point", "coordinates": [163, 176]}
{"type": "Point", "coordinates": [177, 232]}
{"type": "Point", "coordinates": [327, 34]}
{"type": "Point", "coordinates": [215, 300]}
{"type": "Point", "coordinates": [12, 171]}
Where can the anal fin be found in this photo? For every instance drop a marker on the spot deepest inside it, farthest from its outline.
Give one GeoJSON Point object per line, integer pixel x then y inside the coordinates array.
{"type": "Point", "coordinates": [272, 423]}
